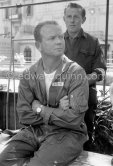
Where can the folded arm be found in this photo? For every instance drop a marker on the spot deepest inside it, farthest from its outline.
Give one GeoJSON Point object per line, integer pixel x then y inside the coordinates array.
{"type": "Point", "coordinates": [71, 110]}
{"type": "Point", "coordinates": [24, 104]}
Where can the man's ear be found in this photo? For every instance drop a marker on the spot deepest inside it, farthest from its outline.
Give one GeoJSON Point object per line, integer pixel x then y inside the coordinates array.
{"type": "Point", "coordinates": [64, 18]}
{"type": "Point", "coordinates": [83, 20]}
{"type": "Point", "coordinates": [37, 44]}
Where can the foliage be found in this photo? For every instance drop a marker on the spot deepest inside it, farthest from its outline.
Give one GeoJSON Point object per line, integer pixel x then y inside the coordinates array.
{"type": "Point", "coordinates": [103, 132]}
{"type": "Point", "coordinates": [102, 136]}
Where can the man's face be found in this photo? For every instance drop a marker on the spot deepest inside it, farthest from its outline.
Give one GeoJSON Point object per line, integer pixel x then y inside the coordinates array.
{"type": "Point", "coordinates": [52, 43]}
{"type": "Point", "coordinates": [73, 19]}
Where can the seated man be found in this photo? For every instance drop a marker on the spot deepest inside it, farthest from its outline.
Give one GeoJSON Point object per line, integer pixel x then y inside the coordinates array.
{"type": "Point", "coordinates": [52, 100]}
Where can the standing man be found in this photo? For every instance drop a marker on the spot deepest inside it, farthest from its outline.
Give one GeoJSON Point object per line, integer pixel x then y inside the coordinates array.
{"type": "Point", "coordinates": [52, 100]}
{"type": "Point", "coordinates": [85, 50]}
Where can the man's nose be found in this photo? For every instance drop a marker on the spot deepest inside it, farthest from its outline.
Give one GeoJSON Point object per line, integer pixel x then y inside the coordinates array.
{"type": "Point", "coordinates": [58, 40]}
{"type": "Point", "coordinates": [72, 19]}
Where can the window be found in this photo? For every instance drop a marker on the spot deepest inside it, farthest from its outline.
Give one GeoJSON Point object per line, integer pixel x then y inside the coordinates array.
{"type": "Point", "coordinates": [6, 13]}
{"type": "Point", "coordinates": [29, 10]}
{"type": "Point", "coordinates": [15, 11]}
{"type": "Point", "coordinates": [16, 29]}
{"type": "Point", "coordinates": [27, 54]}
{"type": "Point", "coordinates": [112, 56]}
{"type": "Point", "coordinates": [6, 32]}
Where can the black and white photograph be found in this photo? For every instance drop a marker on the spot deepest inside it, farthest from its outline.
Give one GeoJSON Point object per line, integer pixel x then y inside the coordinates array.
{"type": "Point", "coordinates": [56, 83]}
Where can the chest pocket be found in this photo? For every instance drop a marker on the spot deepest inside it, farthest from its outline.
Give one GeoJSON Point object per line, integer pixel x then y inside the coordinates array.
{"type": "Point", "coordinates": [86, 59]}
{"type": "Point", "coordinates": [78, 101]}
{"type": "Point", "coordinates": [86, 53]}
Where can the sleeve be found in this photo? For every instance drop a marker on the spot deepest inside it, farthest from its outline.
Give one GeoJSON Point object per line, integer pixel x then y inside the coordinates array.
{"type": "Point", "coordinates": [24, 104]}
{"type": "Point", "coordinates": [99, 65]}
{"type": "Point", "coordinates": [78, 96]}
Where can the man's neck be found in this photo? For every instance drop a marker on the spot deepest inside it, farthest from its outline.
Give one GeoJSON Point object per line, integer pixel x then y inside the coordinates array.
{"type": "Point", "coordinates": [73, 34]}
{"type": "Point", "coordinates": [51, 64]}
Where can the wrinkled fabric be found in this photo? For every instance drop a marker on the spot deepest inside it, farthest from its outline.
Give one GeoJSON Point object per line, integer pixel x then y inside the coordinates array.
{"type": "Point", "coordinates": [86, 51]}
{"type": "Point", "coordinates": [74, 83]}
{"type": "Point", "coordinates": [55, 136]}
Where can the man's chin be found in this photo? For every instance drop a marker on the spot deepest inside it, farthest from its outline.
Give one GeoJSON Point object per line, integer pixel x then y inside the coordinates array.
{"type": "Point", "coordinates": [58, 54]}
{"type": "Point", "coordinates": [72, 30]}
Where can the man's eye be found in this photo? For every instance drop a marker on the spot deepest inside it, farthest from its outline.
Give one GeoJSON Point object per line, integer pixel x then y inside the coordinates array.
{"type": "Point", "coordinates": [52, 38]}
{"type": "Point", "coordinates": [68, 16]}
{"type": "Point", "coordinates": [61, 37]}
{"type": "Point", "coordinates": [76, 18]}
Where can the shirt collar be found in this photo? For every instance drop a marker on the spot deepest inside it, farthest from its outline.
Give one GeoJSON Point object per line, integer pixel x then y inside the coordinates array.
{"type": "Point", "coordinates": [80, 34]}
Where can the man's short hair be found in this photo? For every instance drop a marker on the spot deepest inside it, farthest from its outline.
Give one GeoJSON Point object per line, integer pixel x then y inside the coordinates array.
{"type": "Point", "coordinates": [75, 5]}
{"type": "Point", "coordinates": [37, 30]}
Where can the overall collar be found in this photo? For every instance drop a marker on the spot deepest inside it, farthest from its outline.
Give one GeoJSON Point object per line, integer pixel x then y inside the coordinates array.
{"type": "Point", "coordinates": [39, 71]}
{"type": "Point", "coordinates": [38, 68]}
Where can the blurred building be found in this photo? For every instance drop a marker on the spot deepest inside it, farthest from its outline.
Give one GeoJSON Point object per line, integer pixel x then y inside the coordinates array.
{"type": "Point", "coordinates": [96, 24]}
{"type": "Point", "coordinates": [18, 22]}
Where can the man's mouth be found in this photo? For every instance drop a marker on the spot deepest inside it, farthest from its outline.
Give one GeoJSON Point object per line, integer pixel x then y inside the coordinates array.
{"type": "Point", "coordinates": [72, 25]}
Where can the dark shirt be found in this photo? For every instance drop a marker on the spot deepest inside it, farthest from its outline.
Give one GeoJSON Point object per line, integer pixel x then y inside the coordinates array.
{"type": "Point", "coordinates": [86, 51]}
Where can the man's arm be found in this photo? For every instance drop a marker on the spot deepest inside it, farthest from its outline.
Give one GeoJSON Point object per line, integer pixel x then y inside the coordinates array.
{"type": "Point", "coordinates": [78, 104]}
{"type": "Point", "coordinates": [63, 104]}
{"type": "Point", "coordinates": [24, 104]}
{"type": "Point", "coordinates": [98, 66]}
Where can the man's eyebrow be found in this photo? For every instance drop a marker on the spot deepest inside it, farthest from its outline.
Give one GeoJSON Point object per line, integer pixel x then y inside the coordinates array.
{"type": "Point", "coordinates": [52, 35]}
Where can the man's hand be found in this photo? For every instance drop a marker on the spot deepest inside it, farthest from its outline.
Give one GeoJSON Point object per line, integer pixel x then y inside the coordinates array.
{"type": "Point", "coordinates": [64, 103]}
{"type": "Point", "coordinates": [36, 106]}
{"type": "Point", "coordinates": [92, 78]}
